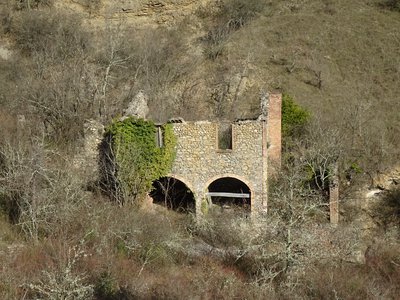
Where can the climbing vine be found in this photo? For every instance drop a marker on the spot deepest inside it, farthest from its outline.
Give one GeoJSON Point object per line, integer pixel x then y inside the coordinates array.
{"type": "Point", "coordinates": [135, 159]}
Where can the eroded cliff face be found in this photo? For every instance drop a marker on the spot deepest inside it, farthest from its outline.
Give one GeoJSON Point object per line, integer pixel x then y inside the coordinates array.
{"type": "Point", "coordinates": [372, 206]}
{"type": "Point", "coordinates": [137, 12]}
{"type": "Point", "coordinates": [173, 34]}
{"type": "Point", "coordinates": [388, 180]}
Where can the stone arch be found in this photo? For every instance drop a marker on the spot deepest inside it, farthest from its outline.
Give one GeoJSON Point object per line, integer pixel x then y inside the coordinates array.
{"type": "Point", "coordinates": [184, 180]}
{"type": "Point", "coordinates": [172, 192]}
{"type": "Point", "coordinates": [216, 184]}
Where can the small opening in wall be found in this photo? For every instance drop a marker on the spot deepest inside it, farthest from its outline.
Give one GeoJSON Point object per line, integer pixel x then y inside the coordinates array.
{"type": "Point", "coordinates": [159, 137]}
{"type": "Point", "coordinates": [225, 136]}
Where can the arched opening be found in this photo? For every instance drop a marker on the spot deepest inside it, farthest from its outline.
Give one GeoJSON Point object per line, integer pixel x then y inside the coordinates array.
{"type": "Point", "coordinates": [173, 194]}
{"type": "Point", "coordinates": [229, 192]}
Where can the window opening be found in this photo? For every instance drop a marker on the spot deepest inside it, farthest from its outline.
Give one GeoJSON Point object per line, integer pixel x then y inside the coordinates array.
{"type": "Point", "coordinates": [159, 137]}
{"type": "Point", "coordinates": [225, 136]}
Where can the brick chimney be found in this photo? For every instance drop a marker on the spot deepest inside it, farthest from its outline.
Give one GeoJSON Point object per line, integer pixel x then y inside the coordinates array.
{"type": "Point", "coordinates": [274, 131]}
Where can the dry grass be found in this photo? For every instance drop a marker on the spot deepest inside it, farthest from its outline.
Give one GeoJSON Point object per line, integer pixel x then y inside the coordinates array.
{"type": "Point", "coordinates": [120, 253]}
{"type": "Point", "coordinates": [338, 58]}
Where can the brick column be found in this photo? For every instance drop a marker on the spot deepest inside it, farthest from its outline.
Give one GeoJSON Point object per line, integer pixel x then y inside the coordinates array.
{"type": "Point", "coordinates": [334, 197]}
{"type": "Point", "coordinates": [274, 120]}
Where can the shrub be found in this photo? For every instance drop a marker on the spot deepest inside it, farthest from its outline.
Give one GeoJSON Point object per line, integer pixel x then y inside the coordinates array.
{"type": "Point", "coordinates": [294, 117]}
{"type": "Point", "coordinates": [233, 15]}
{"type": "Point", "coordinates": [132, 160]}
{"type": "Point", "coordinates": [106, 287]}
{"type": "Point", "coordinates": [30, 4]}
{"type": "Point", "coordinates": [63, 282]}
{"type": "Point", "coordinates": [391, 5]}
{"type": "Point", "coordinates": [55, 77]}
{"type": "Point", "coordinates": [215, 42]}
{"type": "Point", "coordinates": [239, 12]}
{"type": "Point", "coordinates": [35, 195]}
{"type": "Point", "coordinates": [388, 209]}
{"type": "Point", "coordinates": [342, 280]}
{"type": "Point", "coordinates": [58, 35]}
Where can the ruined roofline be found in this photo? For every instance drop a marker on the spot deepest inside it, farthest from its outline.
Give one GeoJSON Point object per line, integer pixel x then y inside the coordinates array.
{"type": "Point", "coordinates": [237, 121]}
{"type": "Point", "coordinates": [246, 149]}
{"type": "Point", "coordinates": [270, 113]}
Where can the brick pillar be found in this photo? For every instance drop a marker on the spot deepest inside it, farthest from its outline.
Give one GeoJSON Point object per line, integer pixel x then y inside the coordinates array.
{"type": "Point", "coordinates": [334, 198]}
{"type": "Point", "coordinates": [274, 120]}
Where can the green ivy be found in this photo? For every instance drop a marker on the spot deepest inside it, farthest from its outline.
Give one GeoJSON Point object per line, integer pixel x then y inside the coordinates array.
{"type": "Point", "coordinates": [294, 117]}
{"type": "Point", "coordinates": [137, 158]}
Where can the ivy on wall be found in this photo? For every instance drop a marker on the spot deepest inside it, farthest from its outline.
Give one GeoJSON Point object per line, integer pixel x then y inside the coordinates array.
{"type": "Point", "coordinates": [133, 159]}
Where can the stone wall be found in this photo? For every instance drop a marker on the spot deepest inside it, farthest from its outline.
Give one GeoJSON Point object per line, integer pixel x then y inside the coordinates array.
{"type": "Point", "coordinates": [254, 153]}
{"type": "Point", "coordinates": [199, 161]}
{"type": "Point", "coordinates": [86, 161]}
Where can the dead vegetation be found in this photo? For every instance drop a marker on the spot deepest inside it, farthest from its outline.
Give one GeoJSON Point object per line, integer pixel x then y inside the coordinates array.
{"type": "Point", "coordinates": [339, 59]}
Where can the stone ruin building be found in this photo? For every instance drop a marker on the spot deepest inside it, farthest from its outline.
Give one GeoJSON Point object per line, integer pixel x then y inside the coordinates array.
{"type": "Point", "coordinates": [224, 163]}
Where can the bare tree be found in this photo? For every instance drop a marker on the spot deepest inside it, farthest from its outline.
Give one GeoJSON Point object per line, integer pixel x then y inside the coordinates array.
{"type": "Point", "coordinates": [293, 203]}
{"type": "Point", "coordinates": [319, 151]}
{"type": "Point", "coordinates": [37, 195]}
{"type": "Point", "coordinates": [63, 282]}
{"type": "Point", "coordinates": [114, 56]}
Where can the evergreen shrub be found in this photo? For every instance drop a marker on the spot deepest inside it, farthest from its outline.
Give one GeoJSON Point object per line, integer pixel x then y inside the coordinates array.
{"type": "Point", "coordinates": [294, 117]}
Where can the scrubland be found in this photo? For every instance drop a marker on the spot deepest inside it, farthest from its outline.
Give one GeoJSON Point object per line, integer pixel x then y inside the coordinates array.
{"type": "Point", "coordinates": [64, 62]}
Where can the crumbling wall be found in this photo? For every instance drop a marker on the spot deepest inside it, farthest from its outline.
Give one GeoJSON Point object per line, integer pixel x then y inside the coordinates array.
{"type": "Point", "coordinates": [255, 153]}
{"type": "Point", "coordinates": [86, 161]}
{"type": "Point", "coordinates": [199, 161]}
{"type": "Point", "coordinates": [256, 147]}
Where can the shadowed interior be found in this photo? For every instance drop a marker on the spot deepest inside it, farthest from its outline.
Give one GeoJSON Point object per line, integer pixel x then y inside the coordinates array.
{"type": "Point", "coordinates": [230, 185]}
{"type": "Point", "coordinates": [173, 194]}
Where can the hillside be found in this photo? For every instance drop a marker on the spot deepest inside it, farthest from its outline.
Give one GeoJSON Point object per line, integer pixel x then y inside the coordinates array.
{"type": "Point", "coordinates": [64, 62]}
{"type": "Point", "coordinates": [339, 59]}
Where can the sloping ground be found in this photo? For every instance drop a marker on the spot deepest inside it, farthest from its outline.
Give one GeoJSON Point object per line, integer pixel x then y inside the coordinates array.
{"type": "Point", "coordinates": [137, 13]}
{"type": "Point", "coordinates": [209, 59]}
{"type": "Point", "coordinates": [338, 58]}
{"type": "Point", "coordinates": [352, 47]}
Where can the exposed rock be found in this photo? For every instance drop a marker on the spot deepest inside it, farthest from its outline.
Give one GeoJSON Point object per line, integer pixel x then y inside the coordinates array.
{"type": "Point", "coordinates": [388, 180]}
{"type": "Point", "coordinates": [5, 53]}
{"type": "Point", "coordinates": [365, 202]}
{"type": "Point", "coordinates": [138, 106]}
{"type": "Point", "coordinates": [373, 193]}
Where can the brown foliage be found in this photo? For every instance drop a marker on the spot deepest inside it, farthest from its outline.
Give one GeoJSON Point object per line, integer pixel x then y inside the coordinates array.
{"type": "Point", "coordinates": [60, 75]}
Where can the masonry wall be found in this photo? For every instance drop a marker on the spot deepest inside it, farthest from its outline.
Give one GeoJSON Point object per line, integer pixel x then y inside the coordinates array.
{"type": "Point", "coordinates": [199, 161]}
